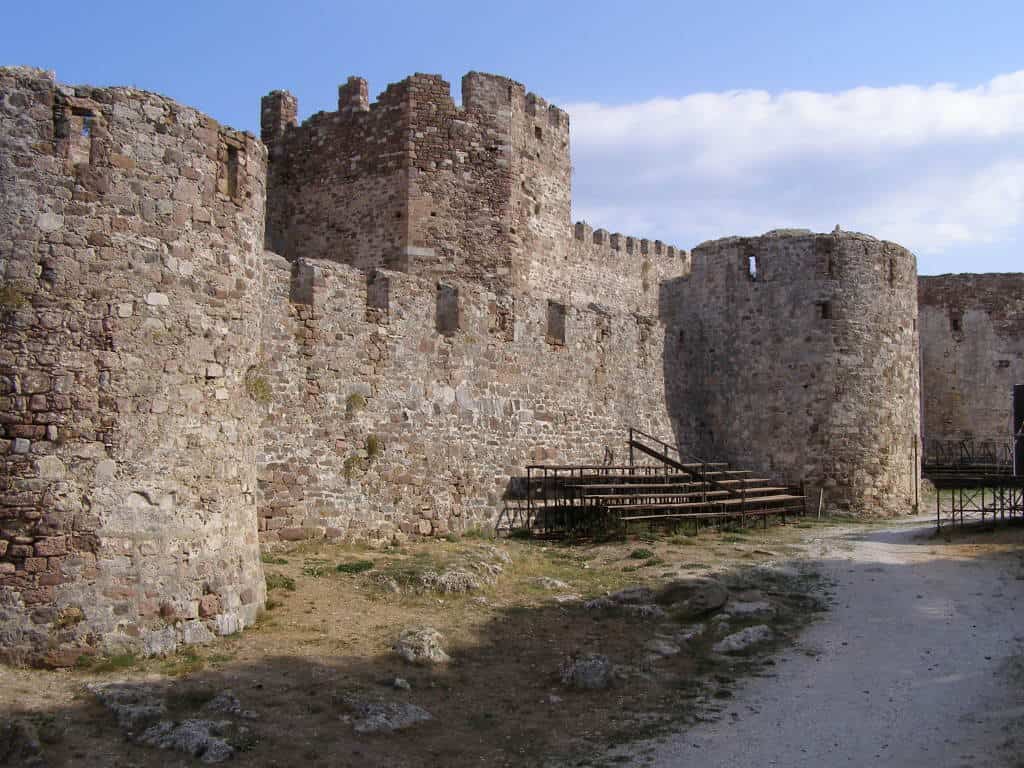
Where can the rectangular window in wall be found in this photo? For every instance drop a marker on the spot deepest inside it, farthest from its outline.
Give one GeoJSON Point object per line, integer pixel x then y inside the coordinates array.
{"type": "Point", "coordinates": [232, 172]}
{"type": "Point", "coordinates": [378, 291]}
{"type": "Point", "coordinates": [556, 323]}
{"type": "Point", "coordinates": [447, 320]}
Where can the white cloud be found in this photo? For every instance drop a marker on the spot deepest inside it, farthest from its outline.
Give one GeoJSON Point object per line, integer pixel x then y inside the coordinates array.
{"type": "Point", "coordinates": [936, 213]}
{"type": "Point", "coordinates": [933, 167]}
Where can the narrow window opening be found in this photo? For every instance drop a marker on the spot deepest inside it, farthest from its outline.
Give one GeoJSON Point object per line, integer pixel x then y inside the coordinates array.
{"type": "Point", "coordinates": [80, 134]}
{"type": "Point", "coordinates": [826, 310]}
{"type": "Point", "coordinates": [378, 291]}
{"type": "Point", "coordinates": [447, 320]}
{"type": "Point", "coordinates": [955, 324]}
{"type": "Point", "coordinates": [753, 267]}
{"type": "Point", "coordinates": [536, 209]}
{"type": "Point", "coordinates": [892, 272]}
{"type": "Point", "coordinates": [828, 265]}
{"type": "Point", "coordinates": [556, 323]}
{"type": "Point", "coordinates": [538, 132]}
{"type": "Point", "coordinates": [232, 172]}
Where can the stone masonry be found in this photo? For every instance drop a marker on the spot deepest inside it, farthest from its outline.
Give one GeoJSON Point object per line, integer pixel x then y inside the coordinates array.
{"type": "Point", "coordinates": [796, 353]}
{"type": "Point", "coordinates": [366, 324]}
{"type": "Point", "coordinates": [131, 233]}
{"type": "Point", "coordinates": [972, 353]}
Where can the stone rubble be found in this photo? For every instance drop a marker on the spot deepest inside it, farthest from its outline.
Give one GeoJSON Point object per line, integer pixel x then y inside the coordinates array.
{"type": "Point", "coordinates": [423, 646]}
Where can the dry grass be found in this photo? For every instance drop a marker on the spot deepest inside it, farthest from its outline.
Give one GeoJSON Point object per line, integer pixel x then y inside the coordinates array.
{"type": "Point", "coordinates": [498, 702]}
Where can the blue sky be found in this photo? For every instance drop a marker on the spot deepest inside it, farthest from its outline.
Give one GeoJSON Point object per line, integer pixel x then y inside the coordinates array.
{"type": "Point", "coordinates": [901, 119]}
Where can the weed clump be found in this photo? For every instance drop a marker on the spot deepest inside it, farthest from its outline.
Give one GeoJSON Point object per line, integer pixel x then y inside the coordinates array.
{"type": "Point", "coordinates": [270, 559]}
{"type": "Point", "coordinates": [641, 554]}
{"type": "Point", "coordinates": [280, 581]}
{"type": "Point", "coordinates": [315, 567]}
{"type": "Point", "coordinates": [354, 403]}
{"type": "Point", "coordinates": [374, 446]}
{"type": "Point", "coordinates": [356, 566]}
{"type": "Point", "coordinates": [257, 386]}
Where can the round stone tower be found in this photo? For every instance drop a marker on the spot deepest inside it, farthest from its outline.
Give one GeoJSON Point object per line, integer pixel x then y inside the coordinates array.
{"type": "Point", "coordinates": [796, 354]}
{"type": "Point", "coordinates": [131, 231]}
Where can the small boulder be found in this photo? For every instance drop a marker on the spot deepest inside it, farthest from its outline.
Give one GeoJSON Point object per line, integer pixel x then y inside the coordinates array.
{"type": "Point", "coordinates": [744, 639]}
{"type": "Point", "coordinates": [692, 598]}
{"type": "Point", "coordinates": [422, 646]}
{"type": "Point", "coordinates": [199, 738]}
{"type": "Point", "coordinates": [134, 706]}
{"type": "Point", "coordinates": [451, 581]}
{"type": "Point", "coordinates": [372, 717]}
{"type": "Point", "coordinates": [589, 671]}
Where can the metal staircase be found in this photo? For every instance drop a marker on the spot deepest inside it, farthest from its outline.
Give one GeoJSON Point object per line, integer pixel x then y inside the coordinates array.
{"type": "Point", "coordinates": [666, 491]}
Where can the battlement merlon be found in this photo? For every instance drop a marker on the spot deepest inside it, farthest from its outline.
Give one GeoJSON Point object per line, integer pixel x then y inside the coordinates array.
{"type": "Point", "coordinates": [616, 241]}
{"type": "Point", "coordinates": [278, 112]}
{"type": "Point", "coordinates": [481, 92]}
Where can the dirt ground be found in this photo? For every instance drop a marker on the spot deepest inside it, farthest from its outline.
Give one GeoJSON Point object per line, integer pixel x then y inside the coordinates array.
{"type": "Point", "coordinates": [328, 637]}
{"type": "Point", "coordinates": [920, 662]}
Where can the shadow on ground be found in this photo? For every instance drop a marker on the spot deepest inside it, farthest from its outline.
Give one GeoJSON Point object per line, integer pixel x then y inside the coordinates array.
{"type": "Point", "coordinates": [498, 702]}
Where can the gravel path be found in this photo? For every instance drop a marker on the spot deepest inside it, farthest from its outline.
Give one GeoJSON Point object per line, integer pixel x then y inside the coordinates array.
{"type": "Point", "coordinates": [919, 663]}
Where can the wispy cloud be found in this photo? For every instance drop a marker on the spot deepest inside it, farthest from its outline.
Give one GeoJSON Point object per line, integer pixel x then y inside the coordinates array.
{"type": "Point", "coordinates": [933, 167]}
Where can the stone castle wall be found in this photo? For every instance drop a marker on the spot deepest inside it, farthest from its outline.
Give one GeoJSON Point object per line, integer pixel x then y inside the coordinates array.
{"type": "Point", "coordinates": [481, 192]}
{"type": "Point", "coordinates": [171, 393]}
{"type": "Point", "coordinates": [130, 240]}
{"type": "Point", "coordinates": [805, 370]}
{"type": "Point", "coordinates": [379, 421]}
{"type": "Point", "coordinates": [972, 353]}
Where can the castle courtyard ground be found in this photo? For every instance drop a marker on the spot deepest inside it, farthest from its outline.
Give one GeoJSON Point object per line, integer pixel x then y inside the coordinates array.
{"type": "Point", "coordinates": [920, 662]}
{"type": "Point", "coordinates": [889, 646]}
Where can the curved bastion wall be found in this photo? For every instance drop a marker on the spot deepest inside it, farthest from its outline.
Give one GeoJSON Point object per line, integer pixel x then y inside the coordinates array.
{"type": "Point", "coordinates": [131, 233]}
{"type": "Point", "coordinates": [796, 354]}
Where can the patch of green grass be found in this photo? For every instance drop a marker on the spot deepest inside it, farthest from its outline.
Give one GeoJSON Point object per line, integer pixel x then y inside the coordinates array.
{"type": "Point", "coordinates": [271, 604]}
{"type": "Point", "coordinates": [641, 554]}
{"type": "Point", "coordinates": [355, 566]}
{"type": "Point", "coordinates": [220, 658]}
{"type": "Point", "coordinates": [269, 559]}
{"type": "Point", "coordinates": [280, 581]}
{"type": "Point", "coordinates": [478, 532]}
{"type": "Point", "coordinates": [520, 533]}
{"type": "Point", "coordinates": [631, 569]}
{"type": "Point", "coordinates": [652, 561]}
{"type": "Point", "coordinates": [116, 663]}
{"type": "Point", "coordinates": [184, 662]}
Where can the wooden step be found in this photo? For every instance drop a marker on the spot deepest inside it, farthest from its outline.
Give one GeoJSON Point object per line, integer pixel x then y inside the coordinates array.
{"type": "Point", "coordinates": [795, 509]}
{"type": "Point", "coordinates": [732, 502]}
{"type": "Point", "coordinates": [751, 494]}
